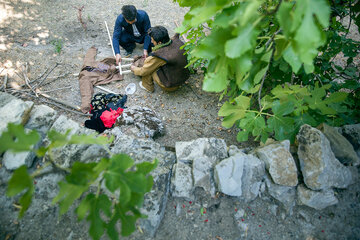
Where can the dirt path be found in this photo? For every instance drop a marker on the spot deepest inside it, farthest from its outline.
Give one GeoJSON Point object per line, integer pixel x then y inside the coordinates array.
{"type": "Point", "coordinates": [29, 31]}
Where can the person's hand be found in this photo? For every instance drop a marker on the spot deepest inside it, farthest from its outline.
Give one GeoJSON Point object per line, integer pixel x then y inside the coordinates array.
{"type": "Point", "coordinates": [132, 67]}
{"type": "Point", "coordinates": [145, 53]}
{"type": "Point", "coordinates": [118, 58]}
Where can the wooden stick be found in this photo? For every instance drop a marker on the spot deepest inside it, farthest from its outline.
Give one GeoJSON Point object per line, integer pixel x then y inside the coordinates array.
{"type": "Point", "coordinates": [105, 90]}
{"type": "Point", "coordinates": [58, 100]}
{"type": "Point", "coordinates": [124, 66]}
{"type": "Point", "coordinates": [112, 47]}
{"type": "Point", "coordinates": [56, 89]}
{"type": "Point", "coordinates": [127, 59]}
{"type": "Point", "coordinates": [27, 80]}
{"type": "Point", "coordinates": [39, 84]}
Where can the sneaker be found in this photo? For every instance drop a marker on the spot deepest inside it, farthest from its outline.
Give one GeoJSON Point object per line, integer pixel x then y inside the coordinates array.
{"type": "Point", "coordinates": [128, 53]}
{"type": "Point", "coordinates": [141, 86]}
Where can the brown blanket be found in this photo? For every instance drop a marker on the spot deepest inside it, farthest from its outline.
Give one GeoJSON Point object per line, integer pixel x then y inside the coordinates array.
{"type": "Point", "coordinates": [95, 73]}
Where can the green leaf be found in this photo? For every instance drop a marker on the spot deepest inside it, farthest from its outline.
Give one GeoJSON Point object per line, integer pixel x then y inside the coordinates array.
{"type": "Point", "coordinates": [245, 40]}
{"type": "Point", "coordinates": [217, 80]}
{"type": "Point", "coordinates": [84, 207]}
{"type": "Point", "coordinates": [125, 192]}
{"type": "Point", "coordinates": [336, 97]}
{"type": "Point", "coordinates": [90, 139]}
{"type": "Point", "coordinates": [260, 75]}
{"type": "Point", "coordinates": [281, 109]}
{"type": "Point", "coordinates": [121, 162]}
{"type": "Point", "coordinates": [285, 16]}
{"type": "Point", "coordinates": [137, 182]}
{"type": "Point", "coordinates": [282, 126]}
{"type": "Point", "coordinates": [292, 59]}
{"type": "Point", "coordinates": [19, 182]}
{"type": "Point", "coordinates": [242, 136]}
{"type": "Point", "coordinates": [17, 140]}
{"type": "Point", "coordinates": [67, 195]}
{"type": "Point", "coordinates": [232, 113]}
{"type": "Point", "coordinates": [81, 173]}
{"type": "Point", "coordinates": [116, 172]}
{"type": "Point", "coordinates": [97, 225]}
{"type": "Point", "coordinates": [146, 167]}
{"type": "Point", "coordinates": [280, 45]}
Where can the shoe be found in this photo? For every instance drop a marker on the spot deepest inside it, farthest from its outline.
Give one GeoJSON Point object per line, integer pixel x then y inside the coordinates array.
{"type": "Point", "coordinates": [141, 86]}
{"type": "Point", "coordinates": [128, 54]}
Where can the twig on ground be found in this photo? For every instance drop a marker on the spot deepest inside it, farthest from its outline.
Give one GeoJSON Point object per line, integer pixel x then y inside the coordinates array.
{"type": "Point", "coordinates": [53, 90]}
{"type": "Point", "coordinates": [39, 84]}
{"type": "Point", "coordinates": [24, 70]}
{"type": "Point", "coordinates": [184, 36]}
{"type": "Point", "coordinates": [66, 109]}
{"type": "Point", "coordinates": [58, 100]}
{"type": "Point", "coordinates": [79, 15]}
{"type": "Point", "coordinates": [193, 91]}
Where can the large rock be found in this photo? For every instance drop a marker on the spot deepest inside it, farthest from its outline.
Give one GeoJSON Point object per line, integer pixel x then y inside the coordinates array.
{"type": "Point", "coordinates": [66, 155]}
{"type": "Point", "coordinates": [279, 162]}
{"type": "Point", "coordinates": [340, 146]}
{"type": "Point", "coordinates": [352, 133]}
{"type": "Point", "coordinates": [240, 175]}
{"type": "Point", "coordinates": [284, 194]}
{"type": "Point", "coordinates": [13, 160]}
{"type": "Point", "coordinates": [182, 185]}
{"type": "Point", "coordinates": [316, 199]}
{"type": "Point", "coordinates": [5, 98]}
{"type": "Point", "coordinates": [213, 148]}
{"type": "Point", "coordinates": [41, 118]}
{"type": "Point", "coordinates": [16, 111]}
{"type": "Point", "coordinates": [202, 154]}
{"type": "Point", "coordinates": [155, 201]}
{"type": "Point", "coordinates": [320, 168]}
{"type": "Point", "coordinates": [140, 122]}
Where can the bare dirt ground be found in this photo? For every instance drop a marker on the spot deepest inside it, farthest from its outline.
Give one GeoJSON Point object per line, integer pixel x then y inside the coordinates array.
{"type": "Point", "coordinates": [29, 31]}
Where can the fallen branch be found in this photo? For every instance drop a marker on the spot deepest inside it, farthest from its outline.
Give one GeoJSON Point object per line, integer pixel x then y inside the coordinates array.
{"type": "Point", "coordinates": [184, 36]}
{"type": "Point", "coordinates": [39, 84]}
{"type": "Point", "coordinates": [66, 109]}
{"type": "Point", "coordinates": [79, 15]}
{"type": "Point", "coordinates": [58, 100]}
{"type": "Point", "coordinates": [53, 90]}
{"type": "Point", "coordinates": [27, 80]}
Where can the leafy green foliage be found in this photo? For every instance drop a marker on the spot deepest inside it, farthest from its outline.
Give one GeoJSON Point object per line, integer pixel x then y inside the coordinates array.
{"type": "Point", "coordinates": [121, 184]}
{"type": "Point", "coordinates": [16, 139]}
{"type": "Point", "coordinates": [272, 60]}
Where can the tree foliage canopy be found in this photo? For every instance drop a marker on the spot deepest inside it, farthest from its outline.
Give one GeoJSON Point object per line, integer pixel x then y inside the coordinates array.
{"type": "Point", "coordinates": [273, 61]}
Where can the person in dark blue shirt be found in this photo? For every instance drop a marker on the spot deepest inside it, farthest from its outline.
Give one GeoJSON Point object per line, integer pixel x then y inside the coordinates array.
{"type": "Point", "coordinates": [131, 27]}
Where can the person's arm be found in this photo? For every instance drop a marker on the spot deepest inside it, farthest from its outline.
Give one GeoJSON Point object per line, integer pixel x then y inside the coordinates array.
{"type": "Point", "coordinates": [151, 64]}
{"type": "Point", "coordinates": [147, 39]}
{"type": "Point", "coordinates": [117, 34]}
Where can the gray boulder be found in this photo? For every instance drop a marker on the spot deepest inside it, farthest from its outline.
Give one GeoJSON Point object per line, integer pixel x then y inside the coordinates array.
{"type": "Point", "coordinates": [340, 146]}
{"type": "Point", "coordinates": [284, 194]}
{"type": "Point", "coordinates": [41, 118]}
{"type": "Point", "coordinates": [279, 162]}
{"type": "Point", "coordinates": [13, 160]}
{"type": "Point", "coordinates": [182, 185]}
{"type": "Point", "coordinates": [140, 122]}
{"type": "Point", "coordinates": [16, 111]}
{"type": "Point", "coordinates": [212, 148]}
{"type": "Point", "coordinates": [240, 175]}
{"type": "Point", "coordinates": [141, 150]}
{"type": "Point", "coordinates": [5, 98]}
{"type": "Point", "coordinates": [315, 199]}
{"type": "Point", "coordinates": [320, 168]}
{"type": "Point", "coordinates": [352, 133]}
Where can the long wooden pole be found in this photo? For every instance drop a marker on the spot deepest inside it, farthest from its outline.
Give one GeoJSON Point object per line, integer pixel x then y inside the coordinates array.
{"type": "Point", "coordinates": [112, 47]}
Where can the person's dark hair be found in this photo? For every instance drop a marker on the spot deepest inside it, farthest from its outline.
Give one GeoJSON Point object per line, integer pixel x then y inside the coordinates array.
{"type": "Point", "coordinates": [129, 12]}
{"type": "Point", "coordinates": [159, 34]}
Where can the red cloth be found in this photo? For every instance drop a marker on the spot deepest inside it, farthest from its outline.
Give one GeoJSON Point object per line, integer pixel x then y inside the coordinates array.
{"type": "Point", "coordinates": [109, 117]}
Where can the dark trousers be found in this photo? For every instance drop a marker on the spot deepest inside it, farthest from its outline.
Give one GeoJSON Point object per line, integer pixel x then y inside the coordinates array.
{"type": "Point", "coordinates": [127, 41]}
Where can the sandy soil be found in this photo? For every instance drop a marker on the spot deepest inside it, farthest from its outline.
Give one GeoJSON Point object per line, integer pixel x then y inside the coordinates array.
{"type": "Point", "coordinates": [29, 30]}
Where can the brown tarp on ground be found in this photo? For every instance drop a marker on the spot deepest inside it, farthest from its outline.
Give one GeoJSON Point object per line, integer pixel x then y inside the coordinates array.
{"type": "Point", "coordinates": [89, 79]}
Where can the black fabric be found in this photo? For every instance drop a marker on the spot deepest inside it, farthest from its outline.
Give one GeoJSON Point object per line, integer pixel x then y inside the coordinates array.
{"type": "Point", "coordinates": [100, 103]}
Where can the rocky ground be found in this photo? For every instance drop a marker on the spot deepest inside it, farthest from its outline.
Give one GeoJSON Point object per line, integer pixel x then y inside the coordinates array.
{"type": "Point", "coordinates": [31, 31]}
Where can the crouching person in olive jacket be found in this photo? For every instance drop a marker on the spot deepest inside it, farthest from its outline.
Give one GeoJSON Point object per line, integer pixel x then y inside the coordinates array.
{"type": "Point", "coordinates": [165, 65]}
